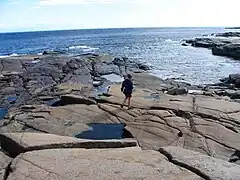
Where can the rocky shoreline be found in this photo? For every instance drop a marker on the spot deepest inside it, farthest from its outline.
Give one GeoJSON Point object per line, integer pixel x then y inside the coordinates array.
{"type": "Point", "coordinates": [222, 44]}
{"type": "Point", "coordinates": [173, 131]}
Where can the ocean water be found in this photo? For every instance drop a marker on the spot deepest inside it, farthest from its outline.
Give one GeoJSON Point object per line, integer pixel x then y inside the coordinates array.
{"type": "Point", "coordinates": [158, 47]}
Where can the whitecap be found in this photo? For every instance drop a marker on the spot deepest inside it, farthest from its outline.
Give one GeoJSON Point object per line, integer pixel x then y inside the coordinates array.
{"type": "Point", "coordinates": [84, 48]}
{"type": "Point", "coordinates": [170, 40]}
{"type": "Point", "coordinates": [40, 54]}
{"type": "Point", "coordinates": [78, 47]}
{"type": "Point", "coordinates": [14, 54]}
{"type": "Point", "coordinates": [89, 49]}
{"type": "Point", "coordinates": [3, 56]}
{"type": "Point", "coordinates": [11, 55]}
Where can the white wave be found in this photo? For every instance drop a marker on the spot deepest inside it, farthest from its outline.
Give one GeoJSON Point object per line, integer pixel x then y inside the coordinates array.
{"type": "Point", "coordinates": [3, 56]}
{"type": "Point", "coordinates": [84, 48]}
{"type": "Point", "coordinates": [40, 54]}
{"type": "Point", "coordinates": [169, 40]}
{"type": "Point", "coordinates": [11, 55]}
{"type": "Point", "coordinates": [78, 47]}
{"type": "Point", "coordinates": [89, 49]}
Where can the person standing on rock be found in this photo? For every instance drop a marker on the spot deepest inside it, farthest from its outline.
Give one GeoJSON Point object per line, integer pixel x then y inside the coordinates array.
{"type": "Point", "coordinates": [127, 88]}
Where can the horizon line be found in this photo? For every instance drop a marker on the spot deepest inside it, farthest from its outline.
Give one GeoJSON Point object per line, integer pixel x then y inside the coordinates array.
{"type": "Point", "coordinates": [76, 29]}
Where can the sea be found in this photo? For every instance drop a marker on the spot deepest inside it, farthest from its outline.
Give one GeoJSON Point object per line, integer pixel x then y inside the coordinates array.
{"type": "Point", "coordinates": [159, 48]}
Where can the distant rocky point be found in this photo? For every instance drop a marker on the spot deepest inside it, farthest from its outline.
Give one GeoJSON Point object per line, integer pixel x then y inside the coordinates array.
{"type": "Point", "coordinates": [232, 28]}
{"type": "Point", "coordinates": [222, 44]}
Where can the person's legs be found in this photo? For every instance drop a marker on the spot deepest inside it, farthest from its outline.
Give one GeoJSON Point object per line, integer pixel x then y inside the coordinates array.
{"type": "Point", "coordinates": [124, 101]}
{"type": "Point", "coordinates": [129, 102]}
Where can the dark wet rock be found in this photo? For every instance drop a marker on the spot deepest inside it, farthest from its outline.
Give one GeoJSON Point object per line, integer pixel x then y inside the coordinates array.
{"type": "Point", "coordinates": [203, 42]}
{"type": "Point", "coordinates": [185, 44]}
{"type": "Point", "coordinates": [51, 52]}
{"type": "Point", "coordinates": [189, 41]}
{"type": "Point", "coordinates": [233, 81]}
{"type": "Point", "coordinates": [223, 44]}
{"type": "Point", "coordinates": [232, 28]}
{"type": "Point", "coordinates": [228, 50]}
{"type": "Point", "coordinates": [106, 68]}
{"type": "Point", "coordinates": [143, 67]}
{"type": "Point", "coordinates": [74, 99]}
{"type": "Point", "coordinates": [233, 78]}
{"type": "Point", "coordinates": [228, 34]}
{"type": "Point", "coordinates": [177, 91]}
{"type": "Point", "coordinates": [119, 61]}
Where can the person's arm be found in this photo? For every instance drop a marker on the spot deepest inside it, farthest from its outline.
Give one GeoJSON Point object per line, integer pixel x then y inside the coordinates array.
{"type": "Point", "coordinates": [131, 85]}
{"type": "Point", "coordinates": [122, 86]}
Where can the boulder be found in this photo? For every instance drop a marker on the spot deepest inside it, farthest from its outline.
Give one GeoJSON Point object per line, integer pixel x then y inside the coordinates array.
{"type": "Point", "coordinates": [237, 83]}
{"type": "Point", "coordinates": [229, 50]}
{"type": "Point", "coordinates": [185, 44]}
{"type": "Point", "coordinates": [203, 165]}
{"type": "Point", "coordinates": [203, 42]}
{"type": "Point", "coordinates": [228, 34]}
{"type": "Point", "coordinates": [233, 78]}
{"type": "Point", "coordinates": [119, 61]}
{"type": "Point", "coordinates": [106, 68]}
{"type": "Point", "coordinates": [51, 52]}
{"type": "Point", "coordinates": [16, 143]}
{"type": "Point", "coordinates": [189, 41]}
{"type": "Point", "coordinates": [74, 99]}
{"type": "Point", "coordinates": [101, 164]}
{"type": "Point", "coordinates": [143, 66]}
{"type": "Point", "coordinates": [177, 91]}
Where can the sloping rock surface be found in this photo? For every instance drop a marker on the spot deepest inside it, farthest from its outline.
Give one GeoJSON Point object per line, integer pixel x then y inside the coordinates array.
{"type": "Point", "coordinates": [210, 168]}
{"type": "Point", "coordinates": [127, 163]}
{"type": "Point", "coordinates": [4, 163]}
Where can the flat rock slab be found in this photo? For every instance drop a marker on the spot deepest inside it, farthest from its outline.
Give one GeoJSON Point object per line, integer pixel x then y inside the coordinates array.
{"type": "Point", "coordinates": [4, 162]}
{"type": "Point", "coordinates": [16, 143]}
{"type": "Point", "coordinates": [209, 167]}
{"type": "Point", "coordinates": [101, 164]}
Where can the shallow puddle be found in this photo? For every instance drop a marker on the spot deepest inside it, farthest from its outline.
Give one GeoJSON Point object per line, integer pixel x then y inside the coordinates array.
{"type": "Point", "coordinates": [101, 91]}
{"type": "Point", "coordinates": [99, 131]}
{"type": "Point", "coordinates": [53, 102]}
{"type": "Point", "coordinates": [3, 112]}
{"type": "Point", "coordinates": [12, 99]}
{"type": "Point", "coordinates": [152, 96]}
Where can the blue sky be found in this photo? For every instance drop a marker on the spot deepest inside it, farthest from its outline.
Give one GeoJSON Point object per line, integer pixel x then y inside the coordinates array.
{"type": "Point", "coordinates": [31, 15]}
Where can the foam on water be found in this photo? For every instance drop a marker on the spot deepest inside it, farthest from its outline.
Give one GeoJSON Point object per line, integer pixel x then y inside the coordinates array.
{"type": "Point", "coordinates": [11, 55]}
{"type": "Point", "coordinates": [83, 48]}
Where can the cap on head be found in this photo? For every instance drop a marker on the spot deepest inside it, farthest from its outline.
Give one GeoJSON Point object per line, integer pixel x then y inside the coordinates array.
{"type": "Point", "coordinates": [129, 76]}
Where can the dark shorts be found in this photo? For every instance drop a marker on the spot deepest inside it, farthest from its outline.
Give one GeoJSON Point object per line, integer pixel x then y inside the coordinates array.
{"type": "Point", "coordinates": [128, 95]}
